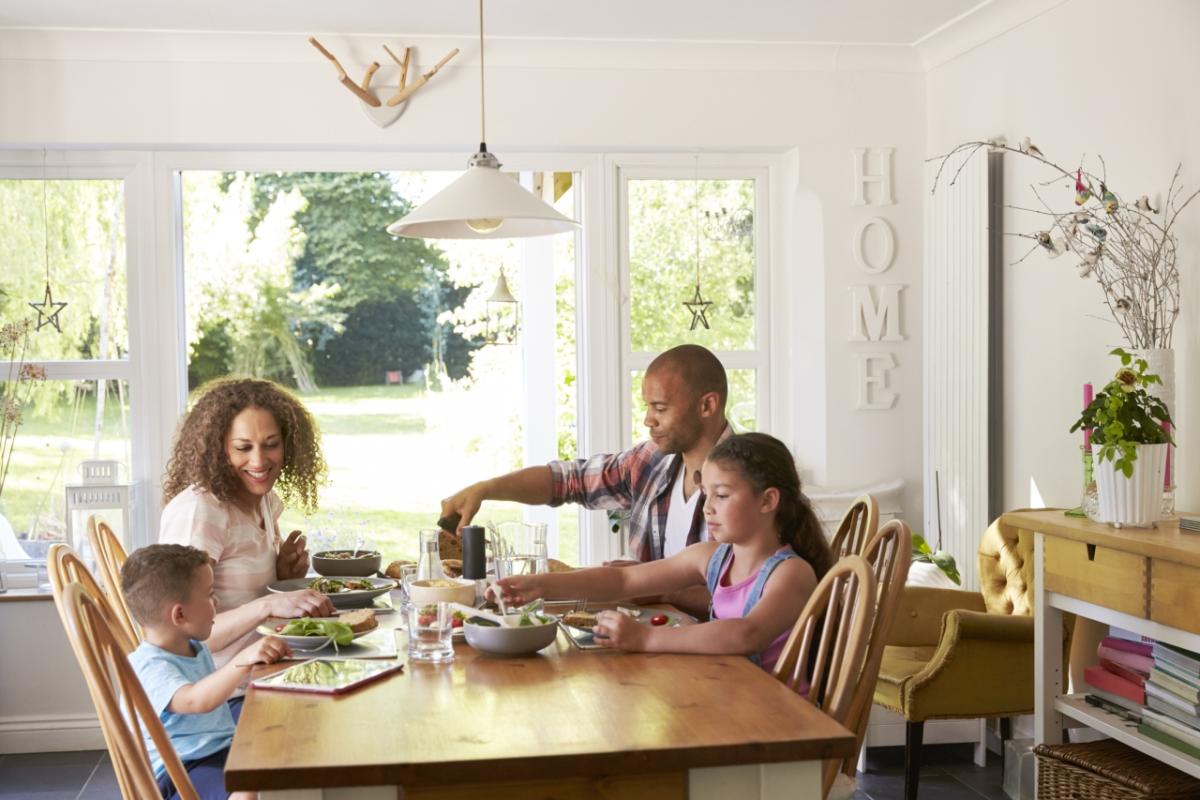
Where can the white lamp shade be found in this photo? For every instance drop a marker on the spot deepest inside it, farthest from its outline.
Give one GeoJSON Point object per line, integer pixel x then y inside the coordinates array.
{"type": "Point", "coordinates": [482, 193]}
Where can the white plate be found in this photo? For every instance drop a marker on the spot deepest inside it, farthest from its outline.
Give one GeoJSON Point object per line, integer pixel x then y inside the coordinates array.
{"type": "Point", "coordinates": [301, 642]}
{"type": "Point", "coordinates": [356, 598]}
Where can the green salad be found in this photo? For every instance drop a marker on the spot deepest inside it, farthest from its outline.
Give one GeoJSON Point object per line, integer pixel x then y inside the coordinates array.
{"type": "Point", "coordinates": [340, 632]}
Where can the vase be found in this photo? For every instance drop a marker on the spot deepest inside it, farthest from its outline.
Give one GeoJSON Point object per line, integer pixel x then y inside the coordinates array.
{"type": "Point", "coordinates": [1160, 361]}
{"type": "Point", "coordinates": [1135, 501]}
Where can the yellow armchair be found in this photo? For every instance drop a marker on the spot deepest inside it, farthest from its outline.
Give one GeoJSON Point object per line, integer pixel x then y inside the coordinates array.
{"type": "Point", "coordinates": [956, 654]}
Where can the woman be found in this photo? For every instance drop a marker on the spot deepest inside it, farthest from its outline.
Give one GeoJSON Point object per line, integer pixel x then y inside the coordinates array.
{"type": "Point", "coordinates": [241, 441]}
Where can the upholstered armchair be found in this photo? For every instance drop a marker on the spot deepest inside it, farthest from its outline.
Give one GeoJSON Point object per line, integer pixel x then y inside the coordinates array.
{"type": "Point", "coordinates": [955, 654]}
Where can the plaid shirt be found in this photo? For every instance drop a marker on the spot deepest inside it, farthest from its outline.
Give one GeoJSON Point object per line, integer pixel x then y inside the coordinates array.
{"type": "Point", "coordinates": [638, 479]}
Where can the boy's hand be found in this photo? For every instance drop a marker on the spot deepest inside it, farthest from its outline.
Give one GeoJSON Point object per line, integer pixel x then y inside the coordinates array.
{"type": "Point", "coordinates": [292, 561]}
{"type": "Point", "coordinates": [265, 651]}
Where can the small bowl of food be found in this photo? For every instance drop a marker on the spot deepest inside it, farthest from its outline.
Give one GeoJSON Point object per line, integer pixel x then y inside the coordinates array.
{"type": "Point", "coordinates": [533, 632]}
{"type": "Point", "coordinates": [357, 563]}
{"type": "Point", "coordinates": [442, 590]}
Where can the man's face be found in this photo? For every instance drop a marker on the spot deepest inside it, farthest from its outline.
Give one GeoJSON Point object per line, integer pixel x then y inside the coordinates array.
{"type": "Point", "coordinates": [672, 411]}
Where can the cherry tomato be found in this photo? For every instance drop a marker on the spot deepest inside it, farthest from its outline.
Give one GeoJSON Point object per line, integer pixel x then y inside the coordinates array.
{"type": "Point", "coordinates": [658, 619]}
{"type": "Point", "coordinates": [278, 628]}
{"type": "Point", "coordinates": [456, 623]}
{"type": "Point", "coordinates": [426, 619]}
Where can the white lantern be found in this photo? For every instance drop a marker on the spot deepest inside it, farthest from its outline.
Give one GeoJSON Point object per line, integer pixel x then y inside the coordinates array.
{"type": "Point", "coordinates": [100, 491]}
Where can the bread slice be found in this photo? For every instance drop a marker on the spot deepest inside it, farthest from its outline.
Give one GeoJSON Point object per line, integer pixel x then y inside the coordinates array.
{"type": "Point", "coordinates": [360, 620]}
{"type": "Point", "coordinates": [452, 567]}
{"type": "Point", "coordinates": [580, 619]}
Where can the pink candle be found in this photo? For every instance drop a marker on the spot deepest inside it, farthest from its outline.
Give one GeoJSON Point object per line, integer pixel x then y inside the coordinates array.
{"type": "Point", "coordinates": [1087, 432]}
{"type": "Point", "coordinates": [1167, 471]}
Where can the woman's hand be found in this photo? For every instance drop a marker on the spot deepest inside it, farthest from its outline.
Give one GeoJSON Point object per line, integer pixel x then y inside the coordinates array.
{"type": "Point", "coordinates": [302, 603]}
{"type": "Point", "coordinates": [519, 589]}
{"type": "Point", "coordinates": [292, 561]}
{"type": "Point", "coordinates": [614, 629]}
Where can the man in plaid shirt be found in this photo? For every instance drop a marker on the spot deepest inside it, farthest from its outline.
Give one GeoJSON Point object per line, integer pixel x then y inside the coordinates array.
{"type": "Point", "coordinates": [658, 480]}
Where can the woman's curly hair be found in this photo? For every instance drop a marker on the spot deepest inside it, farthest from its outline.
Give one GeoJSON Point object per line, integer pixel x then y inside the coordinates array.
{"type": "Point", "coordinates": [198, 457]}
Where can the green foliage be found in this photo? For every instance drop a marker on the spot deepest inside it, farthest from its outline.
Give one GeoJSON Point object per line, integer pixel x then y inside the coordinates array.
{"type": "Point", "coordinates": [378, 336]}
{"type": "Point", "coordinates": [211, 355]}
{"type": "Point", "coordinates": [1123, 414]}
{"type": "Point", "coordinates": [941, 559]}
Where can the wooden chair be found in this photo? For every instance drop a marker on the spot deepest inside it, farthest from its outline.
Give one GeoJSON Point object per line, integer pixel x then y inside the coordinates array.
{"type": "Point", "coordinates": [828, 645]}
{"type": "Point", "coordinates": [889, 554]}
{"type": "Point", "coordinates": [858, 525]}
{"type": "Point", "coordinates": [110, 678]}
{"type": "Point", "coordinates": [110, 557]}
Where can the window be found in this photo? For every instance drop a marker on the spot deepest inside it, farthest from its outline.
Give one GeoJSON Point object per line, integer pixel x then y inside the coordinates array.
{"type": "Point", "coordinates": [291, 276]}
{"type": "Point", "coordinates": [673, 219]}
{"type": "Point", "coordinates": [66, 214]}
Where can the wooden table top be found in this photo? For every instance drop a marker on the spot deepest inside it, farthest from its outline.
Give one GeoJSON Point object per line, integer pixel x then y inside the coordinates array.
{"type": "Point", "coordinates": [1166, 541]}
{"type": "Point", "coordinates": [562, 713]}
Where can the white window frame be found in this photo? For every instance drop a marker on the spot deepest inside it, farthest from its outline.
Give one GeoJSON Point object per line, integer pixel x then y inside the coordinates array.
{"type": "Point", "coordinates": [134, 169]}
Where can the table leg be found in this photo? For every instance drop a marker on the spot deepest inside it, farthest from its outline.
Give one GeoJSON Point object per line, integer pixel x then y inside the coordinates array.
{"type": "Point", "coordinates": [787, 779]}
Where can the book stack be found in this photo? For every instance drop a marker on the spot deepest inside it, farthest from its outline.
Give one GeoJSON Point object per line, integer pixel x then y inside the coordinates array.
{"type": "Point", "coordinates": [1120, 678]}
{"type": "Point", "coordinates": [1172, 712]}
{"type": "Point", "coordinates": [1189, 524]}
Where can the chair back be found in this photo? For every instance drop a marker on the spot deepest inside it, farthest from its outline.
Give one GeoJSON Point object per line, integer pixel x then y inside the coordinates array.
{"type": "Point", "coordinates": [66, 567]}
{"type": "Point", "coordinates": [857, 527]}
{"type": "Point", "coordinates": [889, 554]}
{"type": "Point", "coordinates": [110, 557]}
{"type": "Point", "coordinates": [828, 644]}
{"type": "Point", "coordinates": [111, 679]}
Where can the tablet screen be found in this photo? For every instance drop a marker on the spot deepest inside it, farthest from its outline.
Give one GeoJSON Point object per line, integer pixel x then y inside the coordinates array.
{"type": "Point", "coordinates": [328, 675]}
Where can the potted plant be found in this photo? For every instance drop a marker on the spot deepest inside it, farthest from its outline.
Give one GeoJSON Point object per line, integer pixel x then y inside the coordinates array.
{"type": "Point", "coordinates": [1130, 439]}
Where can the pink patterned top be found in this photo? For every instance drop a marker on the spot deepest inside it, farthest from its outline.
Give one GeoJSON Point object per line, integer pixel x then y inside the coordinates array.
{"type": "Point", "coordinates": [243, 553]}
{"type": "Point", "coordinates": [729, 601]}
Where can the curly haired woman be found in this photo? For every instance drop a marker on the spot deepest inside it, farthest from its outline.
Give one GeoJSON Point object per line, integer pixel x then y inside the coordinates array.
{"type": "Point", "coordinates": [243, 441]}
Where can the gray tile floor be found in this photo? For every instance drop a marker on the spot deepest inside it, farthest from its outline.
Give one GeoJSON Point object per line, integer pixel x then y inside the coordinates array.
{"type": "Point", "coordinates": [948, 773]}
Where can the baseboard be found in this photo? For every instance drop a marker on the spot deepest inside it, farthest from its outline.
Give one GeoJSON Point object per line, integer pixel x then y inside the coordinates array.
{"type": "Point", "coordinates": [50, 734]}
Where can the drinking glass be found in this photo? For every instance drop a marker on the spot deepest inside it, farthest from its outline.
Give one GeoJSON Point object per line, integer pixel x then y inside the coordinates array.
{"type": "Point", "coordinates": [430, 628]}
{"type": "Point", "coordinates": [539, 548]}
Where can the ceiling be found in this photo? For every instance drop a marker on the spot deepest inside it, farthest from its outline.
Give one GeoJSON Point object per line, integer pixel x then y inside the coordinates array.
{"type": "Point", "coordinates": [828, 21]}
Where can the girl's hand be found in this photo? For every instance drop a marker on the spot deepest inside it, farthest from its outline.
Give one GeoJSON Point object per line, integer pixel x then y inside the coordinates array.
{"type": "Point", "coordinates": [292, 561]}
{"type": "Point", "coordinates": [302, 603]}
{"type": "Point", "coordinates": [519, 589]}
{"type": "Point", "coordinates": [614, 629]}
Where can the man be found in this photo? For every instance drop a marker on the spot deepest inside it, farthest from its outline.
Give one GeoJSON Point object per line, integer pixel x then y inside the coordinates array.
{"type": "Point", "coordinates": [685, 390]}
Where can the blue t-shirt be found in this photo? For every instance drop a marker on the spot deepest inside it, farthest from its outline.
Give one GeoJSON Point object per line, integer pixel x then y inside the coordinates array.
{"type": "Point", "coordinates": [162, 674]}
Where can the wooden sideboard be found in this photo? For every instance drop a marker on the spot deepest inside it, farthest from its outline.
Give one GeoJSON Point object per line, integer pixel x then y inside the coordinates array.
{"type": "Point", "coordinates": [1142, 580]}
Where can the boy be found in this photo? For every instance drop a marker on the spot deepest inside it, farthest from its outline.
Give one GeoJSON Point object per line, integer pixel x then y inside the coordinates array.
{"type": "Point", "coordinates": [169, 590]}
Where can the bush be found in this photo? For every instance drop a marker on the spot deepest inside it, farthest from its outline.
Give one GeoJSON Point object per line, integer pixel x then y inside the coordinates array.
{"type": "Point", "coordinates": [379, 336]}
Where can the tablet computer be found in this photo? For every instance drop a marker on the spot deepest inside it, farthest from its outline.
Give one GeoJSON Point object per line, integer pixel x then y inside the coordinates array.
{"type": "Point", "coordinates": [328, 675]}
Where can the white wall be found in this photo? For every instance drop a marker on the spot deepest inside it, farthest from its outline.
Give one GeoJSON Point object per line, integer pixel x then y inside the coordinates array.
{"type": "Point", "coordinates": [808, 104]}
{"type": "Point", "coordinates": [1105, 77]}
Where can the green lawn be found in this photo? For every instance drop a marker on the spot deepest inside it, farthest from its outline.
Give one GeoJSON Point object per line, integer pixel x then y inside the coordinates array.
{"type": "Point", "coordinates": [393, 454]}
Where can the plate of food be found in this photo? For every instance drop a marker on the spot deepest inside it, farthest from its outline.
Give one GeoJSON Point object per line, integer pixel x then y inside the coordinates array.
{"type": "Point", "coordinates": [655, 617]}
{"type": "Point", "coordinates": [314, 633]}
{"type": "Point", "coordinates": [344, 591]}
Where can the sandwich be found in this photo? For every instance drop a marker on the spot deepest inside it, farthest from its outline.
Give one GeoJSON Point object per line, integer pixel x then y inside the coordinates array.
{"type": "Point", "coordinates": [360, 620]}
{"type": "Point", "coordinates": [580, 619]}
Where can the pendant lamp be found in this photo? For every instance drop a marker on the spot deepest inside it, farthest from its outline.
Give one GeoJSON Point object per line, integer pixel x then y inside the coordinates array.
{"type": "Point", "coordinates": [483, 202]}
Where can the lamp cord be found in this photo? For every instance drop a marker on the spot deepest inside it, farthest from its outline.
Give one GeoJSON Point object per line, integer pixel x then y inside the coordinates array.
{"type": "Point", "coordinates": [482, 93]}
{"type": "Point", "coordinates": [696, 215]}
{"type": "Point", "coordinates": [45, 219]}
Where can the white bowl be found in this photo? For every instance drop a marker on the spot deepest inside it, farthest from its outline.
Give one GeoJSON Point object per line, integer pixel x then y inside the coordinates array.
{"type": "Point", "coordinates": [442, 590]}
{"type": "Point", "coordinates": [517, 641]}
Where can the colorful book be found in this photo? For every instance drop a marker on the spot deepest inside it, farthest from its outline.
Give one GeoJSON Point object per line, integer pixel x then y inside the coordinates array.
{"type": "Point", "coordinates": [1129, 646]}
{"type": "Point", "coordinates": [1176, 673]}
{"type": "Point", "coordinates": [1130, 675]}
{"type": "Point", "coordinates": [1133, 661]}
{"type": "Point", "coordinates": [1132, 715]}
{"type": "Point", "coordinates": [1168, 740]}
{"type": "Point", "coordinates": [1118, 700]}
{"type": "Point", "coordinates": [1190, 720]}
{"type": "Point", "coordinates": [1172, 726]}
{"type": "Point", "coordinates": [1184, 660]}
{"type": "Point", "coordinates": [1129, 636]}
{"type": "Point", "coordinates": [1181, 689]}
{"type": "Point", "coordinates": [1099, 678]}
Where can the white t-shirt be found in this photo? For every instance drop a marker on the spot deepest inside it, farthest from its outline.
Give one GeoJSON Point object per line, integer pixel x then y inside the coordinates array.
{"type": "Point", "coordinates": [679, 518]}
{"type": "Point", "coordinates": [243, 553]}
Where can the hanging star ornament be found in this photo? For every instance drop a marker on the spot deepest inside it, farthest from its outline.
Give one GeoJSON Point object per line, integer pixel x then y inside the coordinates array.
{"type": "Point", "coordinates": [48, 311]}
{"type": "Point", "coordinates": [698, 306]}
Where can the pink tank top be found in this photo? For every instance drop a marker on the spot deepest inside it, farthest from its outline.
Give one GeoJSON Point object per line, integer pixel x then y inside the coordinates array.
{"type": "Point", "coordinates": [728, 602]}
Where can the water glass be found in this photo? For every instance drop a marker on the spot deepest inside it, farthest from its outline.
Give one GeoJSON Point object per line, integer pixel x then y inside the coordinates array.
{"type": "Point", "coordinates": [430, 628]}
{"type": "Point", "coordinates": [539, 547]}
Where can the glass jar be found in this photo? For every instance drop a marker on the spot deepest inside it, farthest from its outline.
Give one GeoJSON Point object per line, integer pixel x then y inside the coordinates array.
{"type": "Point", "coordinates": [429, 562]}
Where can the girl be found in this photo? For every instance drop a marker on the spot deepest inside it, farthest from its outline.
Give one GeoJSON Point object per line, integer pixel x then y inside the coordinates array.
{"type": "Point", "coordinates": [766, 555]}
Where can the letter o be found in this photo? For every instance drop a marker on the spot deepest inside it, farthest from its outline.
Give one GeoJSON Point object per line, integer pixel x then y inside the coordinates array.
{"type": "Point", "coordinates": [889, 250]}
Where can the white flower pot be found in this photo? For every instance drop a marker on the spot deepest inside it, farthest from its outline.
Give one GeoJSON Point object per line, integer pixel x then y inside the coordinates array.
{"type": "Point", "coordinates": [1135, 501]}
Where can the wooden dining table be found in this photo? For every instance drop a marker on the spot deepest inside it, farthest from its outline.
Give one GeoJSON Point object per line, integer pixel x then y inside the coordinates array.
{"type": "Point", "coordinates": [564, 723]}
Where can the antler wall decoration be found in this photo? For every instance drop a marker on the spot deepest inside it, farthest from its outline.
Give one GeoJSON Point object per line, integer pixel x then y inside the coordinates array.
{"type": "Point", "coordinates": [404, 89]}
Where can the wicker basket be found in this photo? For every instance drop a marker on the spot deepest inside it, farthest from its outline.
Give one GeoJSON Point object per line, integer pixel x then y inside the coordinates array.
{"type": "Point", "coordinates": [1108, 770]}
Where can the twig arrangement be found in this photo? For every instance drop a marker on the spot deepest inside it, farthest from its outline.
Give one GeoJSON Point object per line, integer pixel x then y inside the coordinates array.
{"type": "Point", "coordinates": [1127, 247]}
{"type": "Point", "coordinates": [17, 389]}
{"type": "Point", "coordinates": [362, 90]}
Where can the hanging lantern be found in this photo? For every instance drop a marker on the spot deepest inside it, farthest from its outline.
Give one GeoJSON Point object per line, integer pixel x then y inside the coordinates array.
{"type": "Point", "coordinates": [503, 315]}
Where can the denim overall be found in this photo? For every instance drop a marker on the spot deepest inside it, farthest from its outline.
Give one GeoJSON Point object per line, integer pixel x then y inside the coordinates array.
{"type": "Point", "coordinates": [716, 565]}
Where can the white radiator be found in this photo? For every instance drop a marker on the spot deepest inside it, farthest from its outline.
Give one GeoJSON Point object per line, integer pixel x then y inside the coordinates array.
{"type": "Point", "coordinates": [962, 357]}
